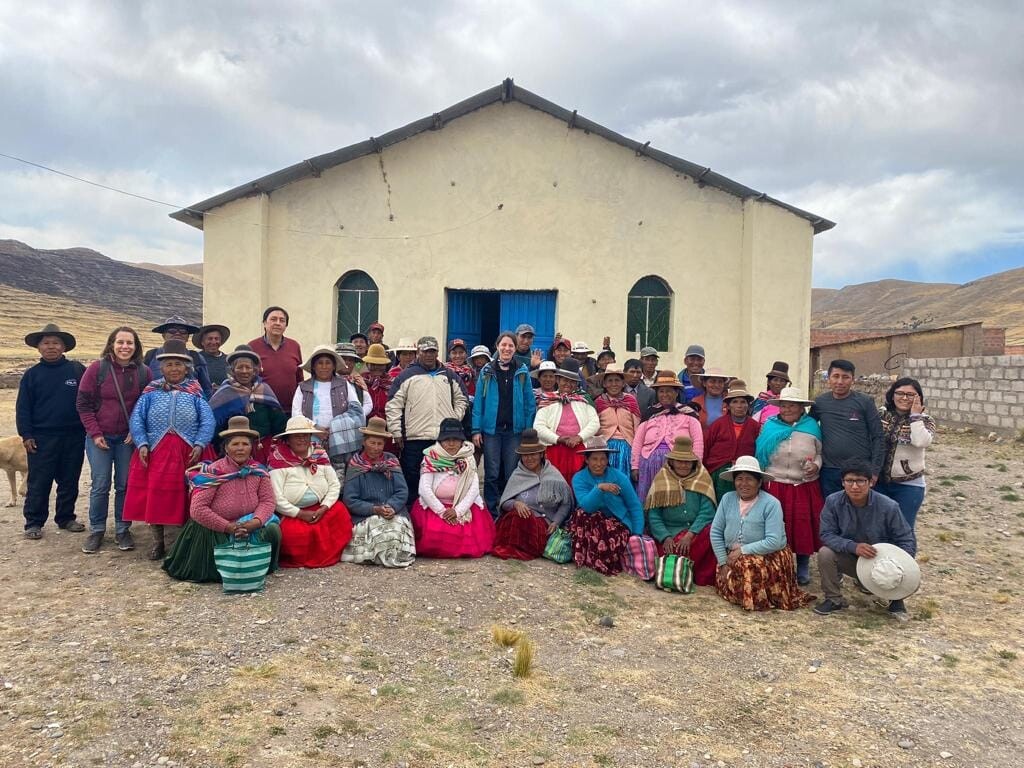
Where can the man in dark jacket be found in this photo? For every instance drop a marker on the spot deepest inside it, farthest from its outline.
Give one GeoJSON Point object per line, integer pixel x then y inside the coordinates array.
{"type": "Point", "coordinates": [176, 327]}
{"type": "Point", "coordinates": [852, 521]}
{"type": "Point", "coordinates": [645, 398]}
{"type": "Point", "coordinates": [51, 431]}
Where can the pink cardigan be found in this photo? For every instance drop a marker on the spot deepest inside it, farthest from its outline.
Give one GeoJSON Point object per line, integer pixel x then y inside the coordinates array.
{"type": "Point", "coordinates": [619, 423]}
{"type": "Point", "coordinates": [219, 506]}
{"type": "Point", "coordinates": [663, 428]}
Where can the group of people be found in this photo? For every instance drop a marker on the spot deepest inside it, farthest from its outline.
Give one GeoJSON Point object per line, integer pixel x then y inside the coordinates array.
{"type": "Point", "coordinates": [373, 458]}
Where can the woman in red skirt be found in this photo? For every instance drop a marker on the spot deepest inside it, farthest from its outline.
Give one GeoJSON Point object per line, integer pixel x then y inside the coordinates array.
{"type": "Point", "coordinates": [789, 445]}
{"type": "Point", "coordinates": [565, 420]}
{"type": "Point", "coordinates": [170, 425]}
{"type": "Point", "coordinates": [536, 501]}
{"type": "Point", "coordinates": [315, 526]}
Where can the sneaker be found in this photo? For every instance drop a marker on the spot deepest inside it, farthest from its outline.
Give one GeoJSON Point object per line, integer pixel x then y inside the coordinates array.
{"type": "Point", "coordinates": [827, 607]}
{"type": "Point", "coordinates": [93, 543]}
{"type": "Point", "coordinates": [34, 532]}
{"type": "Point", "coordinates": [73, 527]}
{"type": "Point", "coordinates": [898, 611]}
{"type": "Point", "coordinates": [125, 542]}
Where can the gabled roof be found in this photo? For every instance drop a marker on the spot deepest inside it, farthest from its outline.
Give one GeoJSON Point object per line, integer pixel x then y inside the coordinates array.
{"type": "Point", "coordinates": [505, 92]}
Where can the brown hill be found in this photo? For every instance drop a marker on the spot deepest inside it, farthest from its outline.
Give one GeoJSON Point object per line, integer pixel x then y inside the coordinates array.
{"type": "Point", "coordinates": [996, 300]}
{"type": "Point", "coordinates": [189, 273]}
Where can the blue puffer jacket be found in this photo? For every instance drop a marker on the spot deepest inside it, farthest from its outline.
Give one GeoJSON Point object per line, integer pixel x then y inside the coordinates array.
{"type": "Point", "coordinates": [485, 405]}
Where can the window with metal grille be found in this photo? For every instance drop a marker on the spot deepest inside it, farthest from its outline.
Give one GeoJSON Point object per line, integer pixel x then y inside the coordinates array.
{"type": "Point", "coordinates": [648, 311]}
{"type": "Point", "coordinates": [358, 304]}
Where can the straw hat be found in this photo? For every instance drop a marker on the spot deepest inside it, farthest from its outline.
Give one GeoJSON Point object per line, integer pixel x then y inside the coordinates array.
{"type": "Point", "coordinates": [745, 464]}
{"type": "Point", "coordinates": [376, 427]}
{"type": "Point", "coordinates": [580, 348]}
{"type": "Point", "coordinates": [892, 573]}
{"type": "Point", "coordinates": [682, 449]}
{"type": "Point", "coordinates": [613, 369]}
{"type": "Point", "coordinates": [175, 350]}
{"type": "Point", "coordinates": [299, 425]}
{"type": "Point", "coordinates": [666, 379]}
{"type": "Point", "coordinates": [376, 355]}
{"type": "Point", "coordinates": [239, 425]}
{"type": "Point", "coordinates": [405, 344]}
{"type": "Point", "coordinates": [598, 444]}
{"type": "Point", "coordinates": [791, 395]}
{"type": "Point", "coordinates": [197, 337]}
{"type": "Point", "coordinates": [530, 443]}
{"type": "Point", "coordinates": [781, 370]}
{"type": "Point", "coordinates": [321, 351]}
{"type": "Point", "coordinates": [51, 329]}
{"type": "Point", "coordinates": [711, 373]}
{"type": "Point", "coordinates": [737, 388]}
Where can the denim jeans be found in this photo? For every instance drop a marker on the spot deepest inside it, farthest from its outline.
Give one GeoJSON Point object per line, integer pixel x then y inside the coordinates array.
{"type": "Point", "coordinates": [500, 460]}
{"type": "Point", "coordinates": [831, 480]}
{"type": "Point", "coordinates": [909, 497]}
{"type": "Point", "coordinates": [104, 466]}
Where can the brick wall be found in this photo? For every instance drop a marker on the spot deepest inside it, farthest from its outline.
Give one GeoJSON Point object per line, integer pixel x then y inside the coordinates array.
{"type": "Point", "coordinates": [994, 342]}
{"type": "Point", "coordinates": [985, 391]}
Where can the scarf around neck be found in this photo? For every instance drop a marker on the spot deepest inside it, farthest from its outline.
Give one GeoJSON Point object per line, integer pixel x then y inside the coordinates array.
{"type": "Point", "coordinates": [437, 460]}
{"type": "Point", "coordinates": [625, 400]}
{"type": "Point", "coordinates": [774, 432]}
{"type": "Point", "coordinates": [189, 385]}
{"type": "Point", "coordinates": [207, 477]}
{"type": "Point", "coordinates": [386, 463]}
{"type": "Point", "coordinates": [235, 399]}
{"type": "Point", "coordinates": [282, 457]}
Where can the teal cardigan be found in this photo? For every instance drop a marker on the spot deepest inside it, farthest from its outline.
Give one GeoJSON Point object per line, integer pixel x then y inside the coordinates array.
{"type": "Point", "coordinates": [761, 532]}
{"type": "Point", "coordinates": [693, 515]}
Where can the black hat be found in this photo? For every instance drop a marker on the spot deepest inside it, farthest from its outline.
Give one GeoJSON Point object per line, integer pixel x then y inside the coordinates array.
{"type": "Point", "coordinates": [174, 350]}
{"type": "Point", "coordinates": [569, 369]}
{"type": "Point", "coordinates": [51, 329]}
{"type": "Point", "coordinates": [176, 321]}
{"type": "Point", "coordinates": [451, 429]}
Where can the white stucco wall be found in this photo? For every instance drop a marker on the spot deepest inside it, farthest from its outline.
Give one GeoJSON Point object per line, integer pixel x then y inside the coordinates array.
{"type": "Point", "coordinates": [572, 204]}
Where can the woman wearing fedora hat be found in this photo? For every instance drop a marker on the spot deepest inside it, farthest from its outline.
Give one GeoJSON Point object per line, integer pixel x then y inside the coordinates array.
{"type": "Point", "coordinates": [405, 353]}
{"type": "Point", "coordinates": [377, 498]}
{"type": "Point", "coordinates": [680, 507]}
{"type": "Point", "coordinates": [789, 446]}
{"type": "Point", "coordinates": [449, 516]}
{"type": "Point", "coordinates": [755, 567]}
{"type": "Point", "coordinates": [246, 393]}
{"type": "Point", "coordinates": [378, 384]}
{"type": "Point", "coordinates": [609, 512]}
{"type": "Point", "coordinates": [315, 525]}
{"type": "Point", "coordinates": [730, 437]}
{"type": "Point", "coordinates": [232, 497]}
{"type": "Point", "coordinates": [619, 415]}
{"type": "Point", "coordinates": [536, 501]}
{"type": "Point", "coordinates": [654, 437]}
{"type": "Point", "coordinates": [170, 426]}
{"type": "Point", "coordinates": [778, 378]}
{"type": "Point", "coordinates": [565, 420]}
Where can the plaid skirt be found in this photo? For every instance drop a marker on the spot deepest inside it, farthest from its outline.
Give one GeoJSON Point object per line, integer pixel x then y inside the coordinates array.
{"type": "Point", "coordinates": [763, 582]}
{"type": "Point", "coordinates": [598, 541]}
{"type": "Point", "coordinates": [382, 542]}
{"type": "Point", "coordinates": [520, 538]}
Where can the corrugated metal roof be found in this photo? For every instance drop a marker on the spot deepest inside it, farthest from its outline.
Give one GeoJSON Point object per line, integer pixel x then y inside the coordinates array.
{"type": "Point", "coordinates": [505, 92]}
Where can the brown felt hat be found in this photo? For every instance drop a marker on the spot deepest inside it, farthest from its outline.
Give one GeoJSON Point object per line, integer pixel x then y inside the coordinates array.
{"type": "Point", "coordinates": [666, 379]}
{"type": "Point", "coordinates": [376, 427]}
{"type": "Point", "coordinates": [197, 337]}
{"type": "Point", "coordinates": [781, 370]}
{"type": "Point", "coordinates": [530, 443]}
{"type": "Point", "coordinates": [175, 349]}
{"type": "Point", "coordinates": [682, 449]}
{"type": "Point", "coordinates": [738, 388]}
{"type": "Point", "coordinates": [239, 425]}
{"type": "Point", "coordinates": [51, 329]}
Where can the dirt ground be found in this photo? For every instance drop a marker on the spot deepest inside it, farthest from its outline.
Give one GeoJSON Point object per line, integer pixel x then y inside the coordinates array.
{"type": "Point", "coordinates": [105, 661]}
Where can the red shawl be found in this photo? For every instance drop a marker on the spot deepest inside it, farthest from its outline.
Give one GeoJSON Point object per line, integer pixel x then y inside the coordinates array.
{"type": "Point", "coordinates": [282, 457]}
{"type": "Point", "coordinates": [627, 401]}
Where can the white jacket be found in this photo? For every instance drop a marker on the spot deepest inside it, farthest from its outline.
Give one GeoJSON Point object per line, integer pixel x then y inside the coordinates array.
{"type": "Point", "coordinates": [290, 484]}
{"type": "Point", "coordinates": [547, 418]}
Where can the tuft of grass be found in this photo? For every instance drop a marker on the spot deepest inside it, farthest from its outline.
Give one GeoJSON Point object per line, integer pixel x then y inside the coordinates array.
{"type": "Point", "coordinates": [324, 732]}
{"type": "Point", "coordinates": [960, 478]}
{"type": "Point", "coordinates": [946, 481]}
{"type": "Point", "coordinates": [277, 730]}
{"type": "Point", "coordinates": [1007, 655]}
{"type": "Point", "coordinates": [588, 578]}
{"type": "Point", "coordinates": [945, 537]}
{"type": "Point", "coordinates": [522, 663]}
{"type": "Point", "coordinates": [1010, 497]}
{"type": "Point", "coordinates": [949, 660]}
{"type": "Point", "coordinates": [508, 697]}
{"type": "Point", "coordinates": [504, 636]}
{"type": "Point", "coordinates": [926, 610]}
{"type": "Point", "coordinates": [259, 672]}
{"type": "Point", "coordinates": [389, 691]}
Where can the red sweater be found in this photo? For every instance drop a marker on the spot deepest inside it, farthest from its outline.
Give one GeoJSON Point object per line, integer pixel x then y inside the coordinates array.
{"type": "Point", "coordinates": [280, 367]}
{"type": "Point", "coordinates": [99, 407]}
{"type": "Point", "coordinates": [721, 446]}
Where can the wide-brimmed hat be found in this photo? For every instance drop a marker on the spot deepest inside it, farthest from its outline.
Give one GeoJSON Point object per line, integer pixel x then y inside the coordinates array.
{"type": "Point", "coordinates": [569, 369]}
{"type": "Point", "coordinates": [791, 395]}
{"type": "Point", "coordinates": [547, 365]}
{"type": "Point", "coordinates": [781, 370]}
{"type": "Point", "coordinates": [529, 442]}
{"type": "Point", "coordinates": [176, 321]}
{"type": "Point", "coordinates": [376, 427]}
{"type": "Point", "coordinates": [711, 373]}
{"type": "Point", "coordinates": [598, 444]}
{"type": "Point", "coordinates": [405, 344]}
{"type": "Point", "coordinates": [648, 352]}
{"type": "Point", "coordinates": [456, 343]}
{"type": "Point", "coordinates": [175, 349]}
{"type": "Point", "coordinates": [682, 449]}
{"type": "Point", "coordinates": [892, 573]}
{"type": "Point", "coordinates": [376, 355]}
{"type": "Point", "coordinates": [197, 337]}
{"type": "Point", "coordinates": [299, 425]}
{"type": "Point", "coordinates": [746, 464]}
{"type": "Point", "coordinates": [239, 425]}
{"type": "Point", "coordinates": [480, 350]}
{"type": "Point", "coordinates": [613, 369]}
{"type": "Point", "coordinates": [347, 349]}
{"type": "Point", "coordinates": [666, 379]}
{"type": "Point", "coordinates": [321, 350]}
{"type": "Point", "coordinates": [695, 350]}
{"type": "Point", "coordinates": [51, 329]}
{"type": "Point", "coordinates": [450, 429]}
{"type": "Point", "coordinates": [580, 348]}
{"type": "Point", "coordinates": [737, 388]}
{"type": "Point", "coordinates": [243, 350]}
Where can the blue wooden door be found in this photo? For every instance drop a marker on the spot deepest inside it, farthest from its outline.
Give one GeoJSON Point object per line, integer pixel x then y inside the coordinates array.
{"type": "Point", "coordinates": [534, 307]}
{"type": "Point", "coordinates": [464, 318]}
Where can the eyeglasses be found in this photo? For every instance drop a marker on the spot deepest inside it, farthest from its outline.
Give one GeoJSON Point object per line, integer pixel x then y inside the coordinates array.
{"type": "Point", "coordinates": [856, 482]}
{"type": "Point", "coordinates": [905, 395]}
{"type": "Point", "coordinates": [176, 332]}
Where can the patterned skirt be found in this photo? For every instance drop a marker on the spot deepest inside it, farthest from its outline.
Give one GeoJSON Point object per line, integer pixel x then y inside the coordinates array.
{"type": "Point", "coordinates": [621, 457]}
{"type": "Point", "coordinates": [157, 492]}
{"type": "Point", "coordinates": [520, 538]}
{"type": "Point", "coordinates": [649, 467]}
{"type": "Point", "coordinates": [763, 582]}
{"type": "Point", "coordinates": [315, 545]}
{"type": "Point", "coordinates": [191, 557]}
{"type": "Point", "coordinates": [705, 564]}
{"type": "Point", "coordinates": [436, 537]}
{"type": "Point", "coordinates": [566, 460]}
{"type": "Point", "coordinates": [598, 541]}
{"type": "Point", "coordinates": [801, 513]}
{"type": "Point", "coordinates": [382, 542]}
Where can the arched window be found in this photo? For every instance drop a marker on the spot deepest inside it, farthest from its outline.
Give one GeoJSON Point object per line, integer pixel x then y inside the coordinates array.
{"type": "Point", "coordinates": [358, 304]}
{"type": "Point", "coordinates": [648, 311]}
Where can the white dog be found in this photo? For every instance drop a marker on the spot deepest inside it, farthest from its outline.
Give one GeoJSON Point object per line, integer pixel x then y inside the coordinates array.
{"type": "Point", "coordinates": [13, 459]}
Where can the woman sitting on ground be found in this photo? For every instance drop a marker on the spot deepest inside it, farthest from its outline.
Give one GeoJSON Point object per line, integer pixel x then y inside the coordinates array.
{"type": "Point", "coordinates": [908, 432]}
{"type": "Point", "coordinates": [232, 497]}
{"type": "Point", "coordinates": [655, 437]}
{"type": "Point", "coordinates": [315, 525]}
{"type": "Point", "coordinates": [536, 501]}
{"type": "Point", "coordinates": [755, 567]}
{"type": "Point", "coordinates": [449, 517]}
{"type": "Point", "coordinates": [680, 507]}
{"type": "Point", "coordinates": [609, 512]}
{"type": "Point", "coordinates": [245, 393]}
{"type": "Point", "coordinates": [730, 437]}
{"type": "Point", "coordinates": [376, 496]}
{"type": "Point", "coordinates": [619, 415]}
{"type": "Point", "coordinates": [565, 420]}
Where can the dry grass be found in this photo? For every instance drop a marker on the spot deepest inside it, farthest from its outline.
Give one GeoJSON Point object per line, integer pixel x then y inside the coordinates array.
{"type": "Point", "coordinates": [504, 636]}
{"type": "Point", "coordinates": [522, 663]}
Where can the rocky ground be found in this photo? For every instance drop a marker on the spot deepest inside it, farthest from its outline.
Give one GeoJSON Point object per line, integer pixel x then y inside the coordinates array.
{"type": "Point", "coordinates": [105, 661]}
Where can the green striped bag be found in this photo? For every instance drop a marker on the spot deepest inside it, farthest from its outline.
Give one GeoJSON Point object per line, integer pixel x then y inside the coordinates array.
{"type": "Point", "coordinates": [559, 546]}
{"type": "Point", "coordinates": [242, 566]}
{"type": "Point", "coordinates": [674, 574]}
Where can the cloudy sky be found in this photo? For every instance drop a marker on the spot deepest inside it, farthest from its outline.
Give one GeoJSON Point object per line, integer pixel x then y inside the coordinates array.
{"type": "Point", "coordinates": [900, 121]}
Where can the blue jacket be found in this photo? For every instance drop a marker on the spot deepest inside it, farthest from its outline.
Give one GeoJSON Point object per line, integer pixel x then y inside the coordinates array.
{"type": "Point", "coordinates": [625, 506]}
{"type": "Point", "coordinates": [844, 526]}
{"type": "Point", "coordinates": [485, 404]}
{"type": "Point", "coordinates": [365, 490]}
{"type": "Point", "coordinates": [158, 412]}
{"type": "Point", "coordinates": [761, 532]}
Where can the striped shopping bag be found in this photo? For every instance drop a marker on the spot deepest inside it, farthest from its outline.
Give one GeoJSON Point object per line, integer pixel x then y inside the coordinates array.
{"type": "Point", "coordinates": [675, 574]}
{"type": "Point", "coordinates": [242, 565]}
{"type": "Point", "coordinates": [559, 546]}
{"type": "Point", "coordinates": [640, 557]}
